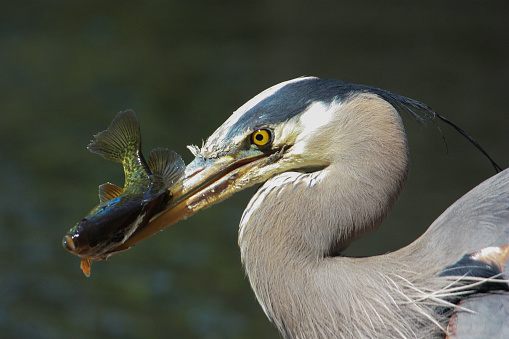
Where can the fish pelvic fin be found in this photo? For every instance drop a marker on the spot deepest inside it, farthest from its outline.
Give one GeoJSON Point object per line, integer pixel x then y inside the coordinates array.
{"type": "Point", "coordinates": [121, 140]}
{"type": "Point", "coordinates": [166, 164]}
{"type": "Point", "coordinates": [86, 264]}
{"type": "Point", "coordinates": [109, 191]}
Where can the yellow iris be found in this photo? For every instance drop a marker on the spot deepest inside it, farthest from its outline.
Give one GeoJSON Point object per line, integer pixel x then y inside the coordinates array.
{"type": "Point", "coordinates": [261, 137]}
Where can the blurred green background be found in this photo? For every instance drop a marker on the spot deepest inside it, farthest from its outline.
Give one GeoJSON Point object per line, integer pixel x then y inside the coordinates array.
{"type": "Point", "coordinates": [67, 67]}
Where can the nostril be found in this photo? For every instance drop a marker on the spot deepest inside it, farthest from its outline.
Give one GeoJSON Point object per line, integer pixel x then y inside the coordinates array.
{"type": "Point", "coordinates": [68, 243]}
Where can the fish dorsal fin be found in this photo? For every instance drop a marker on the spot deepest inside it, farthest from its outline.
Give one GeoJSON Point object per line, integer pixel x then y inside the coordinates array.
{"type": "Point", "coordinates": [166, 164]}
{"type": "Point", "coordinates": [122, 136]}
{"type": "Point", "coordinates": [109, 191]}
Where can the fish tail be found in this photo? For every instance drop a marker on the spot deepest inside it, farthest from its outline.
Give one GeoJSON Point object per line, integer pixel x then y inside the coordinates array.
{"type": "Point", "coordinates": [167, 164]}
{"type": "Point", "coordinates": [120, 139]}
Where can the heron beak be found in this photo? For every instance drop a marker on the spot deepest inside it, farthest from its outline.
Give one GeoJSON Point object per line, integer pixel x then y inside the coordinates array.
{"type": "Point", "coordinates": [206, 182]}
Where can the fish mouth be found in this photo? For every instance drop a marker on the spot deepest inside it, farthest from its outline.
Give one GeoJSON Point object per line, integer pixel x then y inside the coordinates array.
{"type": "Point", "coordinates": [68, 243]}
{"type": "Point", "coordinates": [83, 251]}
{"type": "Point", "coordinates": [86, 261]}
{"type": "Point", "coordinates": [207, 182]}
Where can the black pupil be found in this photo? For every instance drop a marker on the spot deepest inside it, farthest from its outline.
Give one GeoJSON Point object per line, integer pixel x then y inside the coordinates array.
{"type": "Point", "coordinates": [259, 137]}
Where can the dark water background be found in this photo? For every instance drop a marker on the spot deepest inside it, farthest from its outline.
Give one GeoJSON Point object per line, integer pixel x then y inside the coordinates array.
{"type": "Point", "coordinates": [67, 67]}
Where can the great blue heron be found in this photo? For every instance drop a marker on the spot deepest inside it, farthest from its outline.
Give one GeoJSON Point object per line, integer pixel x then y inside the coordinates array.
{"type": "Point", "coordinates": [333, 158]}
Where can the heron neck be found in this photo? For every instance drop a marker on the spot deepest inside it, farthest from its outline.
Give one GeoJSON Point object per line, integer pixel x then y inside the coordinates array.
{"type": "Point", "coordinates": [297, 223]}
{"type": "Point", "coordinates": [290, 232]}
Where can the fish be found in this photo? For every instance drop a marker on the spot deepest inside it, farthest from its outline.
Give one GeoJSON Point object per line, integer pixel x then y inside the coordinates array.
{"type": "Point", "coordinates": [122, 211]}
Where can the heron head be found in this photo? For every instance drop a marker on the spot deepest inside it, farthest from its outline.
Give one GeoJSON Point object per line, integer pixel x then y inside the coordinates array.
{"type": "Point", "coordinates": [301, 125]}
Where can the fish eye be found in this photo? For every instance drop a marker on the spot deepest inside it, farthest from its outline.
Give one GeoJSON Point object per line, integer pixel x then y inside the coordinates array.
{"type": "Point", "coordinates": [261, 137]}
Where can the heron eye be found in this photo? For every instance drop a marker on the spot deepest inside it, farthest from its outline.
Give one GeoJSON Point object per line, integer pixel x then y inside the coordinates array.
{"type": "Point", "coordinates": [261, 137]}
